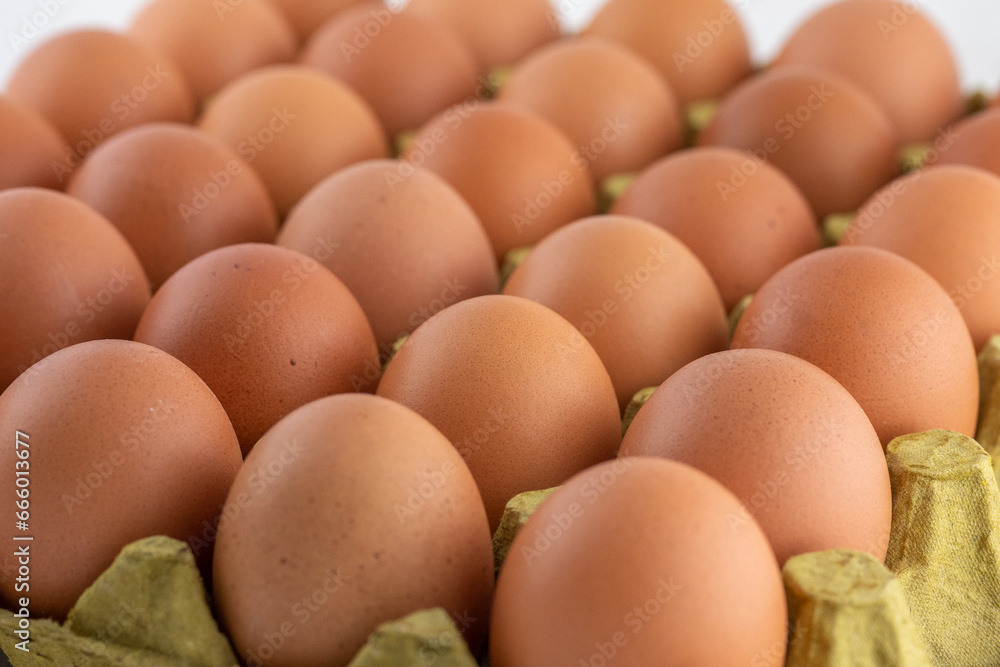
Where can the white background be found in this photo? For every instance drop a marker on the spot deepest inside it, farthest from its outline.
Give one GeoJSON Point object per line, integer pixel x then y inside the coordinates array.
{"type": "Point", "coordinates": [972, 27]}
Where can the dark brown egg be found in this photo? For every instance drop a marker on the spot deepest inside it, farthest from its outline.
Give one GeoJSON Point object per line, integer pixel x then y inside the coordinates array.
{"type": "Point", "coordinates": [406, 67]}
{"type": "Point", "coordinates": [829, 136]}
{"type": "Point", "coordinates": [295, 126]}
{"type": "Point", "coordinates": [498, 33]}
{"type": "Point", "coordinates": [91, 84]}
{"type": "Point", "coordinates": [267, 328]}
{"type": "Point", "coordinates": [407, 248]}
{"type": "Point", "coordinates": [891, 50]}
{"type": "Point", "coordinates": [215, 42]}
{"type": "Point", "coordinates": [973, 142]}
{"type": "Point", "coordinates": [31, 149]}
{"type": "Point", "coordinates": [67, 276]}
{"type": "Point", "coordinates": [635, 292]}
{"type": "Point", "coordinates": [697, 45]}
{"type": "Point", "coordinates": [612, 104]}
{"type": "Point", "coordinates": [521, 175]}
{"type": "Point", "coordinates": [521, 395]}
{"type": "Point", "coordinates": [742, 217]}
{"type": "Point", "coordinates": [175, 193]}
{"type": "Point", "coordinates": [123, 442]}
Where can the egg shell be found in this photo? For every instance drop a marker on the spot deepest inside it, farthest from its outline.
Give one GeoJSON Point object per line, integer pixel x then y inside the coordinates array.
{"type": "Point", "coordinates": [521, 175]}
{"type": "Point", "coordinates": [213, 43]}
{"type": "Point", "coordinates": [91, 84]}
{"type": "Point", "coordinates": [743, 218]}
{"type": "Point", "coordinates": [614, 105]}
{"type": "Point", "coordinates": [635, 292]}
{"type": "Point", "coordinates": [891, 50]}
{"type": "Point", "coordinates": [175, 193]}
{"type": "Point", "coordinates": [123, 442]}
{"type": "Point", "coordinates": [972, 141]}
{"type": "Point", "coordinates": [698, 46]}
{"type": "Point", "coordinates": [267, 328]}
{"type": "Point", "coordinates": [946, 220]}
{"type": "Point", "coordinates": [363, 510]}
{"type": "Point", "coordinates": [498, 33]}
{"type": "Point", "coordinates": [639, 562]}
{"type": "Point", "coordinates": [412, 69]}
{"type": "Point", "coordinates": [68, 276]}
{"type": "Point", "coordinates": [29, 145]}
{"type": "Point", "coordinates": [829, 136]}
{"type": "Point", "coordinates": [784, 437]}
{"type": "Point", "coordinates": [521, 395]}
{"type": "Point", "coordinates": [308, 15]}
{"type": "Point", "coordinates": [295, 126]}
{"type": "Point", "coordinates": [882, 327]}
{"type": "Point", "coordinates": [405, 247]}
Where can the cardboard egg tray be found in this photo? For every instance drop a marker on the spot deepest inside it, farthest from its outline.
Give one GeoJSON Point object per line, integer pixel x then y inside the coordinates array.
{"type": "Point", "coordinates": [934, 602]}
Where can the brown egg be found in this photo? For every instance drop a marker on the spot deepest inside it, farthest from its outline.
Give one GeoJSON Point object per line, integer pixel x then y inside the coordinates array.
{"type": "Point", "coordinates": [882, 327]}
{"type": "Point", "coordinates": [352, 511]}
{"type": "Point", "coordinates": [122, 441]}
{"type": "Point", "coordinates": [891, 50]}
{"type": "Point", "coordinates": [973, 142]}
{"type": "Point", "coordinates": [405, 247]}
{"type": "Point", "coordinates": [743, 218]}
{"type": "Point", "coordinates": [213, 43]}
{"type": "Point", "coordinates": [946, 220]}
{"type": "Point", "coordinates": [825, 133]}
{"type": "Point", "coordinates": [91, 84]}
{"type": "Point", "coordinates": [295, 126]}
{"type": "Point", "coordinates": [498, 33]}
{"type": "Point", "coordinates": [521, 175]}
{"type": "Point", "coordinates": [30, 146]}
{"type": "Point", "coordinates": [784, 437]}
{"type": "Point", "coordinates": [639, 562]}
{"type": "Point", "coordinates": [524, 399]}
{"type": "Point", "coordinates": [308, 15]}
{"type": "Point", "coordinates": [175, 193]}
{"type": "Point", "coordinates": [633, 291]}
{"type": "Point", "coordinates": [697, 45]}
{"type": "Point", "coordinates": [407, 68]}
{"type": "Point", "coordinates": [613, 105]}
{"type": "Point", "coordinates": [67, 276]}
{"type": "Point", "coordinates": [267, 328]}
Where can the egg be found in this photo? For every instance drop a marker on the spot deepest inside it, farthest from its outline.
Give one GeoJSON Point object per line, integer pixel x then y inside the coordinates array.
{"type": "Point", "coordinates": [972, 141]}
{"type": "Point", "coordinates": [891, 50]}
{"type": "Point", "coordinates": [613, 105]}
{"type": "Point", "coordinates": [498, 33]}
{"type": "Point", "coordinates": [633, 291]}
{"type": "Point", "coordinates": [640, 562]}
{"type": "Point", "coordinates": [122, 441]}
{"type": "Point", "coordinates": [294, 126]}
{"type": "Point", "coordinates": [521, 395]}
{"type": "Point", "coordinates": [829, 136]}
{"type": "Point", "coordinates": [175, 193]}
{"type": "Point", "coordinates": [406, 247]}
{"type": "Point", "coordinates": [350, 512]}
{"type": "Point", "coordinates": [882, 327]}
{"type": "Point", "coordinates": [67, 276]}
{"type": "Point", "coordinates": [267, 328]}
{"type": "Point", "coordinates": [742, 217]}
{"type": "Point", "coordinates": [698, 46]}
{"type": "Point", "coordinates": [308, 15]}
{"type": "Point", "coordinates": [946, 220]}
{"type": "Point", "coordinates": [213, 43]}
{"type": "Point", "coordinates": [521, 175]}
{"type": "Point", "coordinates": [409, 71]}
{"type": "Point", "coordinates": [784, 437]}
{"type": "Point", "coordinates": [91, 84]}
{"type": "Point", "coordinates": [29, 146]}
